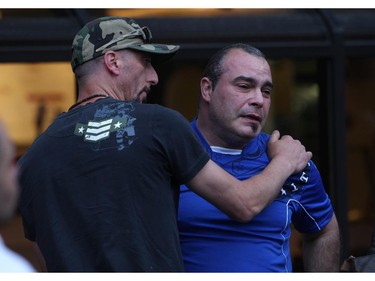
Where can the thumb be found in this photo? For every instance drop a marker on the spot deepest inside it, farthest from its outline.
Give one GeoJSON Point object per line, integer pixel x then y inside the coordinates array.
{"type": "Point", "coordinates": [275, 136]}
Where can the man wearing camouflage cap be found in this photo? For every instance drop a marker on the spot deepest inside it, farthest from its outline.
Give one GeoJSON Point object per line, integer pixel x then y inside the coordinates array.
{"type": "Point", "coordinates": [99, 188]}
{"type": "Point", "coordinates": [115, 34]}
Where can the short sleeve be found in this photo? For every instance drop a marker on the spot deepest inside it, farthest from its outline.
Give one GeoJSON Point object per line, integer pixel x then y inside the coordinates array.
{"type": "Point", "coordinates": [315, 209]}
{"type": "Point", "coordinates": [181, 145]}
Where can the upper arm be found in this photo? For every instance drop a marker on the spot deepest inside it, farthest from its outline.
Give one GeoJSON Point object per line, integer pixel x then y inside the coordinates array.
{"type": "Point", "coordinates": [321, 251]}
{"type": "Point", "coordinates": [330, 229]}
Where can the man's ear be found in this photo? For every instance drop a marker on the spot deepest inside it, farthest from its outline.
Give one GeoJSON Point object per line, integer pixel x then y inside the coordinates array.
{"type": "Point", "coordinates": [206, 89]}
{"type": "Point", "coordinates": [111, 61]}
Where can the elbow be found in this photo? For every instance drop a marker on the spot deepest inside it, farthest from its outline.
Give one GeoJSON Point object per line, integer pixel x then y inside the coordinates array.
{"type": "Point", "coordinates": [244, 215]}
{"type": "Point", "coordinates": [247, 208]}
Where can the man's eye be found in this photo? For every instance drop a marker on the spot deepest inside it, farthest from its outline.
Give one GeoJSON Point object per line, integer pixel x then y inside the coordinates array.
{"type": "Point", "coordinates": [267, 92]}
{"type": "Point", "coordinates": [243, 86]}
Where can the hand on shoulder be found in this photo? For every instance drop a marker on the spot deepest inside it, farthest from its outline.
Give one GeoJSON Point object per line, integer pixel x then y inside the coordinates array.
{"type": "Point", "coordinates": [289, 151]}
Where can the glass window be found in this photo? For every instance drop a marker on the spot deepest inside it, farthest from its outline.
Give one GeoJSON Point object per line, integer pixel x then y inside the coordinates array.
{"type": "Point", "coordinates": [31, 96]}
{"type": "Point", "coordinates": [360, 146]}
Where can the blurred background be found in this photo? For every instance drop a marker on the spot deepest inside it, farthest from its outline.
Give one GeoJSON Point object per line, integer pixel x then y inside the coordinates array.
{"type": "Point", "coordinates": [323, 66]}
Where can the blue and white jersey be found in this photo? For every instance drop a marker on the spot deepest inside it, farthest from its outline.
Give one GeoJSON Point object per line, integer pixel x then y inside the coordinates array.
{"type": "Point", "coordinates": [213, 242]}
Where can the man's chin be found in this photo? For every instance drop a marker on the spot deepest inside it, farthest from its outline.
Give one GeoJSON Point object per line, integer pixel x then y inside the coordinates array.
{"type": "Point", "coordinates": [253, 130]}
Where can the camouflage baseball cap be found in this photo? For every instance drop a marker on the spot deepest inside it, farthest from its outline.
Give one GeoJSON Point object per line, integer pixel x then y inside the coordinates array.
{"type": "Point", "coordinates": [116, 33]}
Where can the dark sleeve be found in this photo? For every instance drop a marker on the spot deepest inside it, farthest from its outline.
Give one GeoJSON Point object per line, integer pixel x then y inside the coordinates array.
{"type": "Point", "coordinates": [185, 153]}
{"type": "Point", "coordinates": [25, 203]}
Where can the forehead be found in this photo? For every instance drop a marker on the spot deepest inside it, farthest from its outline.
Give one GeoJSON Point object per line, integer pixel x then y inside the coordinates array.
{"type": "Point", "coordinates": [238, 60]}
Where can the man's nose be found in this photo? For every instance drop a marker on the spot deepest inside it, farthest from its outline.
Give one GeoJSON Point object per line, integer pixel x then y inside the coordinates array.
{"type": "Point", "coordinates": [153, 76]}
{"type": "Point", "coordinates": [256, 97]}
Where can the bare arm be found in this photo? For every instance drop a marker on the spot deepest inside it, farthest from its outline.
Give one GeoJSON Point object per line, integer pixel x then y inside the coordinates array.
{"type": "Point", "coordinates": [242, 200]}
{"type": "Point", "coordinates": [321, 252]}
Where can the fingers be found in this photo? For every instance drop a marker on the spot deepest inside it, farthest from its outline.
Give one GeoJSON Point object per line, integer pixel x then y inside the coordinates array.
{"type": "Point", "coordinates": [309, 154]}
{"type": "Point", "coordinates": [275, 136]}
{"type": "Point", "coordinates": [291, 150]}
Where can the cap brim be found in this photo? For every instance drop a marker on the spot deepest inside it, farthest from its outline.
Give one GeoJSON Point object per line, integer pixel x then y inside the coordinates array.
{"type": "Point", "coordinates": [160, 53]}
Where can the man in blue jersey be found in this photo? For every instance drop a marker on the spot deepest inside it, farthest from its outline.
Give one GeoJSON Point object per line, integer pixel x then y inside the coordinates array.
{"type": "Point", "coordinates": [235, 99]}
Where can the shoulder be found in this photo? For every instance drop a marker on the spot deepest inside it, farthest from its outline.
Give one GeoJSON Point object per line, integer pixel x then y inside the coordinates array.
{"type": "Point", "coordinates": [262, 140]}
{"type": "Point", "coordinates": [163, 110]}
{"type": "Point", "coordinates": [166, 115]}
{"type": "Point", "coordinates": [263, 137]}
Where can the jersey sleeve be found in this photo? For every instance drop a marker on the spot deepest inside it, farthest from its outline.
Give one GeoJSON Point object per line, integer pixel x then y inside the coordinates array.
{"type": "Point", "coordinates": [314, 206]}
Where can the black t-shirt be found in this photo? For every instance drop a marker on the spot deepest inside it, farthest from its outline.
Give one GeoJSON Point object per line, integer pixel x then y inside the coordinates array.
{"type": "Point", "coordinates": [99, 188]}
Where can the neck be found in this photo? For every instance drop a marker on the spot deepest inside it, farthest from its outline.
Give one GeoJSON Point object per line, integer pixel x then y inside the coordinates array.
{"type": "Point", "coordinates": [216, 138]}
{"type": "Point", "coordinates": [92, 97]}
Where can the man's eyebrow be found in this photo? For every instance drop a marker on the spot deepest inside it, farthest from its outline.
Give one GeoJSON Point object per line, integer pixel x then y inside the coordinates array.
{"type": "Point", "coordinates": [252, 80]}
